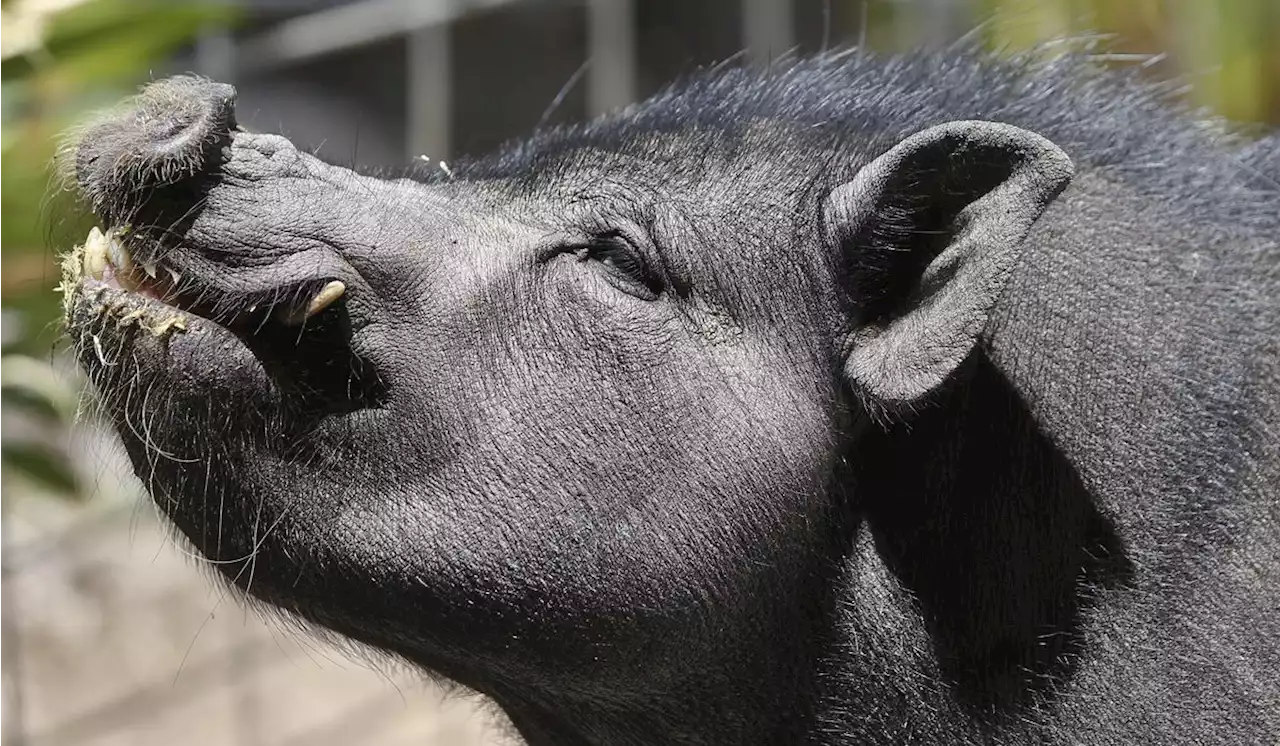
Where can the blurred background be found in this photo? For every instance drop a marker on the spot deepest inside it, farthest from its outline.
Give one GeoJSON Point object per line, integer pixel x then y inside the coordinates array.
{"type": "Point", "coordinates": [110, 633]}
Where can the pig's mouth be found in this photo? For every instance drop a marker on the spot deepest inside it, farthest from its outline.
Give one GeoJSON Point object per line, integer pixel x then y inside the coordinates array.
{"type": "Point", "coordinates": [106, 259]}
{"type": "Point", "coordinates": [137, 323]}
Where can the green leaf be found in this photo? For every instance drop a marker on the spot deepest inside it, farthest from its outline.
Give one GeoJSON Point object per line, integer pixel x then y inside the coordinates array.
{"type": "Point", "coordinates": [15, 398]}
{"type": "Point", "coordinates": [47, 467]}
{"type": "Point", "coordinates": [107, 39]}
{"type": "Point", "coordinates": [28, 379]}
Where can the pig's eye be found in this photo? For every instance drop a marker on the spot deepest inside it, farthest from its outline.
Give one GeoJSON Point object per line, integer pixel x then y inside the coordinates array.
{"type": "Point", "coordinates": [625, 266]}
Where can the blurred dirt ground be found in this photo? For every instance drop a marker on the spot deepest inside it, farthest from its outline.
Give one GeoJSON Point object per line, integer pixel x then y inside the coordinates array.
{"type": "Point", "coordinates": [113, 637]}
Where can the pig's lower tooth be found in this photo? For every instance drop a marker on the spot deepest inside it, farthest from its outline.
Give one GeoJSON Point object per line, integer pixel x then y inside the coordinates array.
{"type": "Point", "coordinates": [103, 249]}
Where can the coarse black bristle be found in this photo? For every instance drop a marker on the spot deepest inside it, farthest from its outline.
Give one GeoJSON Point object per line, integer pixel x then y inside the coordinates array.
{"type": "Point", "coordinates": [1118, 124]}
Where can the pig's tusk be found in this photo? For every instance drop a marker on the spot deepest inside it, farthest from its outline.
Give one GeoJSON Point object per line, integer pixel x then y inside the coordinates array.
{"type": "Point", "coordinates": [320, 301]}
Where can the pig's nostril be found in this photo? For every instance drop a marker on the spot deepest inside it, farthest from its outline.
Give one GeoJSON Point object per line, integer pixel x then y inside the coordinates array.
{"type": "Point", "coordinates": [182, 117]}
{"type": "Point", "coordinates": [170, 129]}
{"type": "Point", "coordinates": [174, 130]}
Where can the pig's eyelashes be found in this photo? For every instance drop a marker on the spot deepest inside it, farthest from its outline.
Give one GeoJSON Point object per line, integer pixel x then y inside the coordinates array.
{"type": "Point", "coordinates": [624, 266]}
{"type": "Point", "coordinates": [616, 255]}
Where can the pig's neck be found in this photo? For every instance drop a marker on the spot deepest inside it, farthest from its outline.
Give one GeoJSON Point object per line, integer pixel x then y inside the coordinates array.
{"type": "Point", "coordinates": [762, 688]}
{"type": "Point", "coordinates": [964, 568]}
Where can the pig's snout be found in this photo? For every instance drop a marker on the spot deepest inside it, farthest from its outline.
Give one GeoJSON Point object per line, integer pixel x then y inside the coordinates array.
{"type": "Point", "coordinates": [172, 132]}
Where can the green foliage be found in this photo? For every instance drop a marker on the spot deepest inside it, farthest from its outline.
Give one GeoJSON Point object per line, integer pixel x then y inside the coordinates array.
{"type": "Point", "coordinates": [1225, 49]}
{"type": "Point", "coordinates": [38, 405]}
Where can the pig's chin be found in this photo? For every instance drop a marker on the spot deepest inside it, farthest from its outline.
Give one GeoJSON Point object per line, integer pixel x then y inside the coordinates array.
{"type": "Point", "coordinates": [132, 344]}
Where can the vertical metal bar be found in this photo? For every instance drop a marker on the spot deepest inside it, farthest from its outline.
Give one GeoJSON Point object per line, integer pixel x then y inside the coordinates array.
{"type": "Point", "coordinates": [429, 98]}
{"type": "Point", "coordinates": [768, 29]}
{"type": "Point", "coordinates": [611, 77]}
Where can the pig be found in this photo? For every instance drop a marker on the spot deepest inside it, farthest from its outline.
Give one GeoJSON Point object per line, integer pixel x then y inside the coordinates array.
{"type": "Point", "coordinates": [854, 399]}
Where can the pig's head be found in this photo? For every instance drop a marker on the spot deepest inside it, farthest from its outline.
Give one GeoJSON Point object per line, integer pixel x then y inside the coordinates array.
{"type": "Point", "coordinates": [569, 424]}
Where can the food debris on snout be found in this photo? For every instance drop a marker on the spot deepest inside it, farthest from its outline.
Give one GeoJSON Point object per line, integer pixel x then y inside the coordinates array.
{"type": "Point", "coordinates": [104, 257]}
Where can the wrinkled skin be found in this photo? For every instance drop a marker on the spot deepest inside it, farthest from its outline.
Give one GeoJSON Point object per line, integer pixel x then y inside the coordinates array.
{"type": "Point", "coordinates": [742, 417]}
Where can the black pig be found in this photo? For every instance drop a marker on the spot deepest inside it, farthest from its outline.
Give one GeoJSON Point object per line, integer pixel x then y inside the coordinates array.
{"type": "Point", "coordinates": [927, 399]}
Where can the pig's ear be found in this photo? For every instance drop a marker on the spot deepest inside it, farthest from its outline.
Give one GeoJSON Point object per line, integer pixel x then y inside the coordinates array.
{"type": "Point", "coordinates": [927, 235]}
